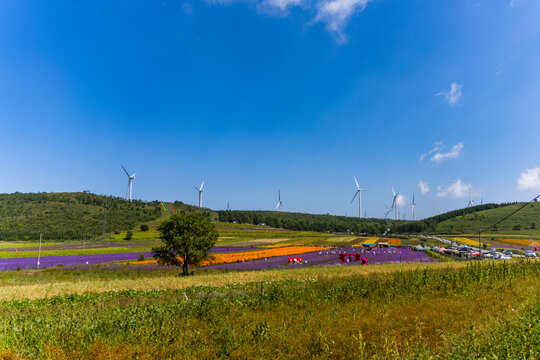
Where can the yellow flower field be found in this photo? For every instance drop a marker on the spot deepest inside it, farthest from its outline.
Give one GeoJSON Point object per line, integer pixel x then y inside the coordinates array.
{"type": "Point", "coordinates": [395, 242]}
{"type": "Point", "coordinates": [469, 241]}
{"type": "Point", "coordinates": [522, 242]}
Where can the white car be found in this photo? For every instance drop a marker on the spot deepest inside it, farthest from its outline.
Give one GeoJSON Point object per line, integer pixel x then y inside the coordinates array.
{"type": "Point", "coordinates": [530, 253]}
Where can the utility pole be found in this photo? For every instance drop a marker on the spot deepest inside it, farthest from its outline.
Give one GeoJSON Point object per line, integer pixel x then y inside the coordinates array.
{"type": "Point", "coordinates": [39, 251]}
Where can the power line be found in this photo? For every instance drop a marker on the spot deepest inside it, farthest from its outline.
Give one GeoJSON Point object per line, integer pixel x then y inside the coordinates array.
{"type": "Point", "coordinates": [498, 222]}
{"type": "Point", "coordinates": [512, 213]}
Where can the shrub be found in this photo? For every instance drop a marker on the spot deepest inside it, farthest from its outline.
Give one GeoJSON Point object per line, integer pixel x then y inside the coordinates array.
{"type": "Point", "coordinates": [129, 235]}
{"type": "Point", "coordinates": [144, 227]}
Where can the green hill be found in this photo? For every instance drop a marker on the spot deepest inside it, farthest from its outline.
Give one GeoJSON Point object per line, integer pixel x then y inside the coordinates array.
{"type": "Point", "coordinates": [66, 216]}
{"type": "Point", "coordinates": [63, 216]}
{"type": "Point", "coordinates": [525, 222]}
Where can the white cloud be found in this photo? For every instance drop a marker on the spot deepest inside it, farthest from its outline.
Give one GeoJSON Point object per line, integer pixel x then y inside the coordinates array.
{"type": "Point", "coordinates": [424, 188]}
{"type": "Point", "coordinates": [456, 190]}
{"type": "Point", "coordinates": [452, 154]}
{"type": "Point", "coordinates": [453, 95]}
{"type": "Point", "coordinates": [436, 147]}
{"type": "Point", "coordinates": [529, 179]}
{"type": "Point", "coordinates": [335, 14]}
{"type": "Point", "coordinates": [281, 4]}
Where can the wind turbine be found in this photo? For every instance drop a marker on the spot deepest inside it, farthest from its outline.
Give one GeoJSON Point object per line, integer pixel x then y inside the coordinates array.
{"type": "Point", "coordinates": [130, 183]}
{"type": "Point", "coordinates": [394, 203]}
{"type": "Point", "coordinates": [279, 203]}
{"type": "Point", "coordinates": [413, 204]}
{"type": "Point", "coordinates": [471, 201]}
{"type": "Point", "coordinates": [359, 193]}
{"type": "Point", "coordinates": [200, 190]}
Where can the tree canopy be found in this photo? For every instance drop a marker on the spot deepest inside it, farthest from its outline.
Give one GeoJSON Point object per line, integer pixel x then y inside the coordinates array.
{"type": "Point", "coordinates": [187, 240]}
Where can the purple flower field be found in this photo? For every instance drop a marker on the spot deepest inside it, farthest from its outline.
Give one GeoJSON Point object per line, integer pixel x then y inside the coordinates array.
{"type": "Point", "coordinates": [51, 261]}
{"type": "Point", "coordinates": [317, 258]}
{"type": "Point", "coordinates": [331, 257]}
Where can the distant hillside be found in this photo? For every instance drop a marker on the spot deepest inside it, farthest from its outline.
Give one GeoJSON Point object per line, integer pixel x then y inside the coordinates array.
{"type": "Point", "coordinates": [471, 219]}
{"type": "Point", "coordinates": [527, 221]}
{"type": "Point", "coordinates": [75, 215]}
{"type": "Point", "coordinates": [309, 222]}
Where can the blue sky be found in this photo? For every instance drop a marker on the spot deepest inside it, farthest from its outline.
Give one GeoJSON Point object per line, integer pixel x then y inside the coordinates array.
{"type": "Point", "coordinates": [259, 95]}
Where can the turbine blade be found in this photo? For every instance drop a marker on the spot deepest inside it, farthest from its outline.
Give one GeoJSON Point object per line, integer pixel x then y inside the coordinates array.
{"type": "Point", "coordinates": [125, 170]}
{"type": "Point", "coordinates": [356, 181]}
{"type": "Point", "coordinates": [196, 188]}
{"type": "Point", "coordinates": [354, 197]}
{"type": "Point", "coordinates": [202, 184]}
{"type": "Point", "coordinates": [393, 192]}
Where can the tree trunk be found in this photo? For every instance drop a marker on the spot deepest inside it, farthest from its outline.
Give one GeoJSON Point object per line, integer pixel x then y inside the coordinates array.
{"type": "Point", "coordinates": [185, 271]}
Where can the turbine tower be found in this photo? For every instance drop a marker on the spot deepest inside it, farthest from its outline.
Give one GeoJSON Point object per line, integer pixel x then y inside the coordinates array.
{"type": "Point", "coordinates": [130, 183]}
{"type": "Point", "coordinates": [279, 203]}
{"type": "Point", "coordinates": [413, 204]}
{"type": "Point", "coordinates": [394, 203]}
{"type": "Point", "coordinates": [359, 193]}
{"type": "Point", "coordinates": [471, 201]}
{"type": "Point", "coordinates": [200, 190]}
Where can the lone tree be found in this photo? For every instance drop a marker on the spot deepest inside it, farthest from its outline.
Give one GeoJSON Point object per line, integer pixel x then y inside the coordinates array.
{"type": "Point", "coordinates": [187, 240]}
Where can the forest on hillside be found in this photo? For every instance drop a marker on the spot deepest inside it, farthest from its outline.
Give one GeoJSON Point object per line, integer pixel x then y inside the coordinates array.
{"type": "Point", "coordinates": [342, 224]}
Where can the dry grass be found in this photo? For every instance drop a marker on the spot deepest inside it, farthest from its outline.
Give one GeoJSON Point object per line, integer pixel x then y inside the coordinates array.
{"type": "Point", "coordinates": [268, 241]}
{"type": "Point", "coordinates": [54, 288]}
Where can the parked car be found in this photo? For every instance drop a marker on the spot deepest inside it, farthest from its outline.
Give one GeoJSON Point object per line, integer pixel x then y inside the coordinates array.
{"type": "Point", "coordinates": [505, 257]}
{"type": "Point", "coordinates": [507, 252]}
{"type": "Point", "coordinates": [435, 248]}
{"type": "Point", "coordinates": [530, 253]}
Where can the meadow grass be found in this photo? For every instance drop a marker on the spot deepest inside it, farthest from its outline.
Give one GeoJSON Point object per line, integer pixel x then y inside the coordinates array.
{"type": "Point", "coordinates": [35, 284]}
{"type": "Point", "coordinates": [446, 311]}
{"type": "Point", "coordinates": [88, 251]}
{"type": "Point", "coordinates": [27, 244]}
{"type": "Point", "coordinates": [137, 235]}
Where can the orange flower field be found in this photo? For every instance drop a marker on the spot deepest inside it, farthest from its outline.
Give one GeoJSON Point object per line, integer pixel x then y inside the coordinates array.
{"type": "Point", "coordinates": [251, 255]}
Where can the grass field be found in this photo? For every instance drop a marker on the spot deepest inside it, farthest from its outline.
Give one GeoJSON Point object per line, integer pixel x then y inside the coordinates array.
{"type": "Point", "coordinates": [98, 251]}
{"type": "Point", "coordinates": [443, 311]}
{"type": "Point", "coordinates": [524, 223]}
